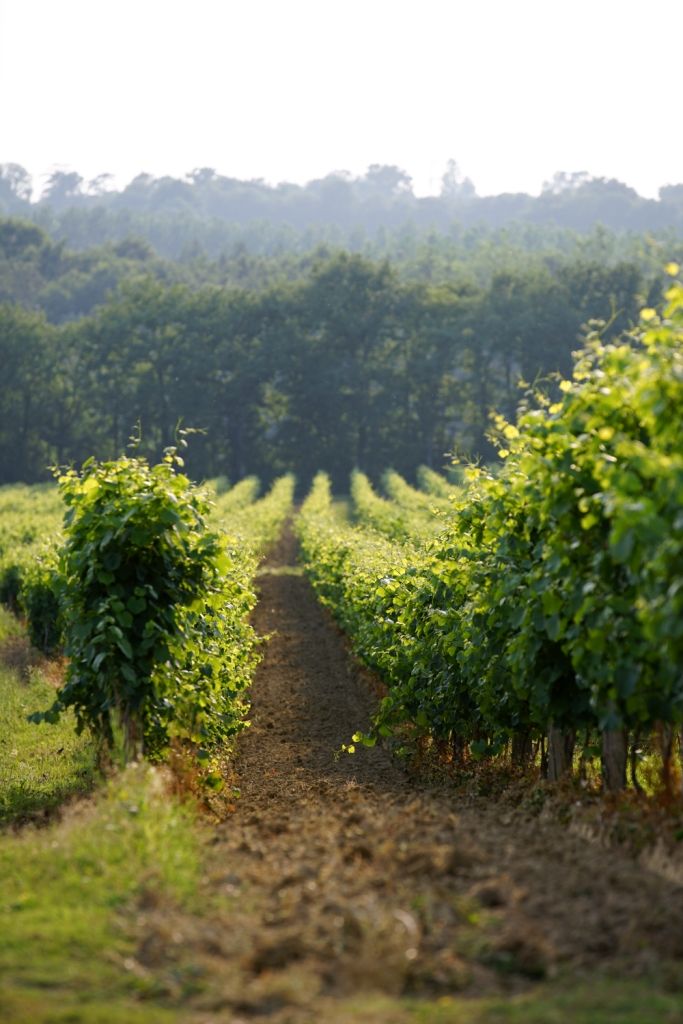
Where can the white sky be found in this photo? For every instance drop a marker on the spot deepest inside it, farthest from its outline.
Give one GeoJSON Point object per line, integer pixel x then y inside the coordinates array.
{"type": "Point", "coordinates": [514, 90]}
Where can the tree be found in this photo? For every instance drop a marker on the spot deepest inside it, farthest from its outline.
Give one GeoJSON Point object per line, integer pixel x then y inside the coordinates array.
{"type": "Point", "coordinates": [566, 181]}
{"type": "Point", "coordinates": [454, 186]}
{"type": "Point", "coordinates": [26, 360]}
{"type": "Point", "coordinates": [387, 180]}
{"type": "Point", "coordinates": [100, 185]}
{"type": "Point", "coordinates": [62, 188]}
{"type": "Point", "coordinates": [16, 187]}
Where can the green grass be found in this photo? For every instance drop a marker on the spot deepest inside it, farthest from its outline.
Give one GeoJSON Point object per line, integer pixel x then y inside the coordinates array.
{"type": "Point", "coordinates": [70, 895]}
{"type": "Point", "coordinates": [9, 625]}
{"type": "Point", "coordinates": [40, 765]}
{"type": "Point", "coordinates": [598, 1001]}
{"type": "Point", "coordinates": [24, 1007]}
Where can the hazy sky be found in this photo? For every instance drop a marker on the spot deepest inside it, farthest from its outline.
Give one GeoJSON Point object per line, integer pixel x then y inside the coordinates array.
{"type": "Point", "coordinates": [514, 90]}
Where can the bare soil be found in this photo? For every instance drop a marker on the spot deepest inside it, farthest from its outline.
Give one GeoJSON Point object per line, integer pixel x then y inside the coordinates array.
{"type": "Point", "coordinates": [344, 874]}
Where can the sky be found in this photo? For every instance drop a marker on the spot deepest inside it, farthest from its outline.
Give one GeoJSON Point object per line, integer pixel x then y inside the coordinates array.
{"type": "Point", "coordinates": [291, 90]}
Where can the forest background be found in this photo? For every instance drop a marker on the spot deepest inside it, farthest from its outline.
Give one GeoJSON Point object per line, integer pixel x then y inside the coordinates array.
{"type": "Point", "coordinates": [346, 322]}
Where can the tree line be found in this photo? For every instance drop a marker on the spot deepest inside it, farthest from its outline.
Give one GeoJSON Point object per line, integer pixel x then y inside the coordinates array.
{"type": "Point", "coordinates": [206, 212]}
{"type": "Point", "coordinates": [345, 363]}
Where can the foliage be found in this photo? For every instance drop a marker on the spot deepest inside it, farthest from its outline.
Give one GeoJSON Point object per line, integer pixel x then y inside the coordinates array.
{"type": "Point", "coordinates": [372, 510]}
{"type": "Point", "coordinates": [409, 516]}
{"type": "Point", "coordinates": [434, 483]}
{"type": "Point", "coordinates": [602, 476]}
{"type": "Point", "coordinates": [206, 213]}
{"type": "Point", "coordinates": [259, 524]}
{"type": "Point", "coordinates": [412, 500]}
{"type": "Point", "coordinates": [39, 766]}
{"type": "Point", "coordinates": [553, 595]}
{"type": "Point", "coordinates": [40, 601]}
{"type": "Point", "coordinates": [297, 361]}
{"type": "Point", "coordinates": [236, 498]}
{"type": "Point", "coordinates": [40, 273]}
{"type": "Point", "coordinates": [30, 526]}
{"type": "Point", "coordinates": [154, 607]}
{"type": "Point", "coordinates": [32, 580]}
{"type": "Point", "coordinates": [357, 573]}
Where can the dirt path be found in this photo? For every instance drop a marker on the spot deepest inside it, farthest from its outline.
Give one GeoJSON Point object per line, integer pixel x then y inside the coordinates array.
{"type": "Point", "coordinates": [345, 876]}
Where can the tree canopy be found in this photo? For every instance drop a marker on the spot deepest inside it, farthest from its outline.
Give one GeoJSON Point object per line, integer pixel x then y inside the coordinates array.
{"type": "Point", "coordinates": [328, 358]}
